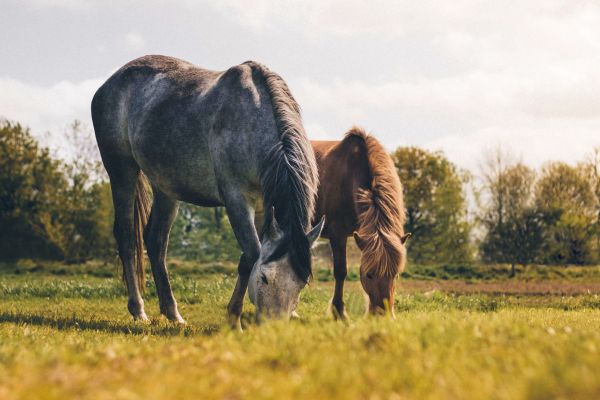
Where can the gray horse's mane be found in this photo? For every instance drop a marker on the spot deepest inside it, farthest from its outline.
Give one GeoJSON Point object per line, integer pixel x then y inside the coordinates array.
{"type": "Point", "coordinates": [289, 173]}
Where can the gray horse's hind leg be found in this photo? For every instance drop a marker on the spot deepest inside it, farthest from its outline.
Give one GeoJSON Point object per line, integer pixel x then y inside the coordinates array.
{"type": "Point", "coordinates": [123, 184]}
{"type": "Point", "coordinates": [156, 237]}
{"type": "Point", "coordinates": [242, 221]}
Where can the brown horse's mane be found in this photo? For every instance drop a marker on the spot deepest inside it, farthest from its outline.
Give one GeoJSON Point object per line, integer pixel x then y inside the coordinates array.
{"type": "Point", "coordinates": [380, 212]}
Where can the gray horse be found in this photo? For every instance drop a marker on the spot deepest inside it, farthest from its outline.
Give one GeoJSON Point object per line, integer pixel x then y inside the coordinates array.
{"type": "Point", "coordinates": [232, 138]}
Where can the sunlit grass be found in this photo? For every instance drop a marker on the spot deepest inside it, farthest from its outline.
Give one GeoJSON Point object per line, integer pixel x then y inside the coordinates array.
{"type": "Point", "coordinates": [71, 337]}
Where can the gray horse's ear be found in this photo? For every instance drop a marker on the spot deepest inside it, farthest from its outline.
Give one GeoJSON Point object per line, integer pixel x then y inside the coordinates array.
{"type": "Point", "coordinates": [274, 231]}
{"type": "Point", "coordinates": [405, 237]}
{"type": "Point", "coordinates": [360, 242]}
{"type": "Point", "coordinates": [315, 232]}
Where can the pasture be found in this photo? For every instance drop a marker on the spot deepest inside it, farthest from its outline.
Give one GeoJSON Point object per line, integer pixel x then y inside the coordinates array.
{"type": "Point", "coordinates": [65, 333]}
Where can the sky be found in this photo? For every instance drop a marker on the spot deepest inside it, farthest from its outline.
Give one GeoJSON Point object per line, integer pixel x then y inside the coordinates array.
{"type": "Point", "coordinates": [458, 76]}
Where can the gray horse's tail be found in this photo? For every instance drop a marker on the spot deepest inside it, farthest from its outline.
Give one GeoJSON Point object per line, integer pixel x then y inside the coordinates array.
{"type": "Point", "coordinates": [140, 217]}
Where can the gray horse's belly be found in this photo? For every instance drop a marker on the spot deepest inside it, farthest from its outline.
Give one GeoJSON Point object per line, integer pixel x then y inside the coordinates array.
{"type": "Point", "coordinates": [179, 166]}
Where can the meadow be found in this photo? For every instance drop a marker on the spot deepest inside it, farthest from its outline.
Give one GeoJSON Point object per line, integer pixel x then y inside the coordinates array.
{"type": "Point", "coordinates": [460, 333]}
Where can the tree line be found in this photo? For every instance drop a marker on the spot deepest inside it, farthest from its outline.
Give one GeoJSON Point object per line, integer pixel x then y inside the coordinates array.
{"type": "Point", "coordinates": [518, 215]}
{"type": "Point", "coordinates": [60, 207]}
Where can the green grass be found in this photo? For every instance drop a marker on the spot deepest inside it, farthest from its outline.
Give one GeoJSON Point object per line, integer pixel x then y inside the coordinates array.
{"type": "Point", "coordinates": [477, 272]}
{"type": "Point", "coordinates": [68, 335]}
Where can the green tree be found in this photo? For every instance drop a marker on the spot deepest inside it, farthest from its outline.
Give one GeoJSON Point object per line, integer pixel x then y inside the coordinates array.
{"type": "Point", "coordinates": [86, 225]}
{"type": "Point", "coordinates": [30, 186]}
{"type": "Point", "coordinates": [566, 198]}
{"type": "Point", "coordinates": [591, 169]}
{"type": "Point", "coordinates": [51, 208]}
{"type": "Point", "coordinates": [435, 206]}
{"type": "Point", "coordinates": [512, 223]}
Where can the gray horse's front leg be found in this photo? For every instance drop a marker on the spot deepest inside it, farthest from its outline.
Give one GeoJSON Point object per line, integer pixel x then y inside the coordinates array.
{"type": "Point", "coordinates": [236, 304]}
{"type": "Point", "coordinates": [164, 212]}
{"type": "Point", "coordinates": [241, 217]}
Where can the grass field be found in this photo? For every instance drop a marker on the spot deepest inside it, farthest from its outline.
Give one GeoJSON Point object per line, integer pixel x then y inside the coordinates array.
{"type": "Point", "coordinates": [65, 333]}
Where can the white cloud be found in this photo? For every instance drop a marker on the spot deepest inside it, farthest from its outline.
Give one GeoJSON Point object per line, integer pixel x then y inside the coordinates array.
{"type": "Point", "coordinates": [548, 115]}
{"type": "Point", "coordinates": [459, 76]}
{"type": "Point", "coordinates": [534, 144]}
{"type": "Point", "coordinates": [525, 76]}
{"type": "Point", "coordinates": [397, 18]}
{"type": "Point", "coordinates": [134, 41]}
{"type": "Point", "coordinates": [318, 132]}
{"type": "Point", "coordinates": [47, 108]}
{"type": "Point", "coordinates": [64, 4]}
{"type": "Point", "coordinates": [339, 17]}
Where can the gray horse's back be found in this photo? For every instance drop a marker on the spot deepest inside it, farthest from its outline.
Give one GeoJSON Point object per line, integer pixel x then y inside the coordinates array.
{"type": "Point", "coordinates": [172, 119]}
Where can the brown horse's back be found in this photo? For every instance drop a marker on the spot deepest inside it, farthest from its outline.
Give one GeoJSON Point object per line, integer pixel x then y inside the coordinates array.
{"type": "Point", "coordinates": [343, 169]}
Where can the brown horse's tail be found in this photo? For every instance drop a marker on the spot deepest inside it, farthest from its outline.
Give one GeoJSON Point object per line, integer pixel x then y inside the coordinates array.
{"type": "Point", "coordinates": [141, 215]}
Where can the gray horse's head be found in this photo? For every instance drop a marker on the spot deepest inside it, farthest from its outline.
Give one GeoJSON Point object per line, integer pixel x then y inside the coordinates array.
{"type": "Point", "coordinates": [274, 285]}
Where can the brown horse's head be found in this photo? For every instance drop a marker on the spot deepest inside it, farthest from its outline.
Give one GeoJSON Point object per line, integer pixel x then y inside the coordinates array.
{"type": "Point", "coordinates": [380, 234]}
{"type": "Point", "coordinates": [382, 259]}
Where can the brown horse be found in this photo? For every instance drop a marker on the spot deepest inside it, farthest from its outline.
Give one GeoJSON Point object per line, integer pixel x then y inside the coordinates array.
{"type": "Point", "coordinates": [360, 194]}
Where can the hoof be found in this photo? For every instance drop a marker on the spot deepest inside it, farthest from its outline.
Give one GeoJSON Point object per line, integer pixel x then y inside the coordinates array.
{"type": "Point", "coordinates": [294, 315]}
{"type": "Point", "coordinates": [340, 316]}
{"type": "Point", "coordinates": [235, 322]}
{"type": "Point", "coordinates": [141, 317]}
{"type": "Point", "coordinates": [136, 309]}
{"type": "Point", "coordinates": [338, 312]}
{"type": "Point", "coordinates": [169, 310]}
{"type": "Point", "coordinates": [173, 316]}
{"type": "Point", "coordinates": [176, 318]}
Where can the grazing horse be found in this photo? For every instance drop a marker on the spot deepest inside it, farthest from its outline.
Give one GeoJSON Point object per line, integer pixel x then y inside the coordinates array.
{"type": "Point", "coordinates": [233, 139]}
{"type": "Point", "coordinates": [361, 195]}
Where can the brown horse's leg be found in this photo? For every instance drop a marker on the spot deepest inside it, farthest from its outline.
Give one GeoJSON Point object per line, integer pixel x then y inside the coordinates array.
{"type": "Point", "coordinates": [164, 211]}
{"type": "Point", "coordinates": [340, 270]}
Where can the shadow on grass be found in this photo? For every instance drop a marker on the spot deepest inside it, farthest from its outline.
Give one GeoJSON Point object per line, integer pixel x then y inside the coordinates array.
{"type": "Point", "coordinates": [155, 327]}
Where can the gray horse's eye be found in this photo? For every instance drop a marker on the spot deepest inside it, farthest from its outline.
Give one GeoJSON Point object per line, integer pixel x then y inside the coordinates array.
{"type": "Point", "coordinates": [263, 278]}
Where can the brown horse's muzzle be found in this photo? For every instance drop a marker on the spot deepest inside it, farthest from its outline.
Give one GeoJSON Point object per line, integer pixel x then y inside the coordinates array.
{"type": "Point", "coordinates": [380, 291]}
